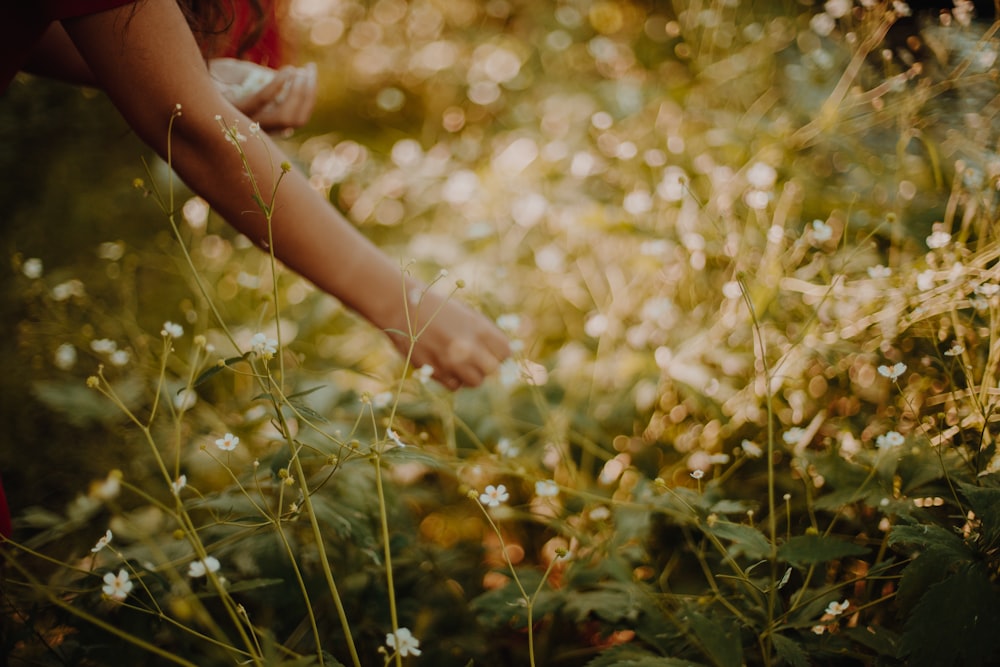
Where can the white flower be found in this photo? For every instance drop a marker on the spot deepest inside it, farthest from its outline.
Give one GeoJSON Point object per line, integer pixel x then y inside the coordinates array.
{"type": "Point", "coordinates": [228, 442]}
{"type": "Point", "coordinates": [509, 322]}
{"type": "Point", "coordinates": [117, 586]}
{"type": "Point", "coordinates": [424, 373]}
{"type": "Point", "coordinates": [494, 495]}
{"type": "Point", "coordinates": [119, 357]}
{"type": "Point", "coordinates": [821, 231]}
{"type": "Point", "coordinates": [837, 608]}
{"type": "Point", "coordinates": [756, 199]}
{"type": "Point", "coordinates": [837, 8]}
{"type": "Point", "coordinates": [938, 239]}
{"type": "Point", "coordinates": [510, 372]}
{"type": "Point", "coordinates": [171, 330]}
{"type": "Point", "coordinates": [195, 212]}
{"type": "Point", "coordinates": [103, 346]}
{"type": "Point", "coordinates": [901, 8]}
{"type": "Point", "coordinates": [893, 372]}
{"type": "Point", "coordinates": [761, 176]}
{"type": "Point", "coordinates": [199, 568]}
{"type": "Point", "coordinates": [107, 488]}
{"type": "Point", "coordinates": [876, 272]}
{"type": "Point", "coordinates": [988, 289]}
{"type": "Point", "coordinates": [546, 489]}
{"type": "Point", "coordinates": [506, 448]}
{"type": "Point", "coordinates": [403, 642]}
{"type": "Point", "coordinates": [793, 435]}
{"type": "Point", "coordinates": [752, 449]}
{"type": "Point", "coordinates": [889, 440]}
{"type": "Point", "coordinates": [395, 438]}
{"type": "Point", "coordinates": [697, 474]}
{"type": "Point", "coordinates": [103, 542]}
{"type": "Point", "coordinates": [32, 268]}
{"type": "Point", "coordinates": [382, 400]}
{"type": "Point", "coordinates": [954, 351]}
{"type": "Point", "coordinates": [925, 280]}
{"type": "Point", "coordinates": [70, 288]}
{"type": "Point", "coordinates": [263, 346]}
{"type": "Point", "coordinates": [818, 629]}
{"type": "Point", "coordinates": [65, 357]}
{"type": "Point", "coordinates": [822, 24]}
{"type": "Point", "coordinates": [185, 399]}
{"type": "Point", "coordinates": [178, 484]}
{"type": "Point", "coordinates": [600, 513]}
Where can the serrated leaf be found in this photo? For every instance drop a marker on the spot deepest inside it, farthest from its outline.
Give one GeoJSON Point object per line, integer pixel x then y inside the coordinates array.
{"type": "Point", "coordinates": [926, 536]}
{"type": "Point", "coordinates": [985, 502]}
{"type": "Point", "coordinates": [932, 565]}
{"type": "Point", "coordinates": [876, 637]}
{"type": "Point", "coordinates": [745, 539]}
{"type": "Point", "coordinates": [813, 549]}
{"type": "Point", "coordinates": [790, 651]}
{"type": "Point", "coordinates": [611, 603]}
{"type": "Point", "coordinates": [954, 623]}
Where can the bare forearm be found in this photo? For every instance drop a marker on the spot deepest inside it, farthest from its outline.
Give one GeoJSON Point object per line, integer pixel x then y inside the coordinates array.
{"type": "Point", "coordinates": [129, 59]}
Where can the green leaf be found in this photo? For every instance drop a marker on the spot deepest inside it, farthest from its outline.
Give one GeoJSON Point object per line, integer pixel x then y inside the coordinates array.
{"type": "Point", "coordinates": [633, 656]}
{"type": "Point", "coordinates": [955, 622]}
{"type": "Point", "coordinates": [82, 406]}
{"type": "Point", "coordinates": [505, 606]}
{"type": "Point", "coordinates": [790, 651]}
{"type": "Point", "coordinates": [211, 371]}
{"type": "Point", "coordinates": [720, 641]}
{"type": "Point", "coordinates": [252, 584]}
{"type": "Point", "coordinates": [305, 392]}
{"type": "Point", "coordinates": [925, 536]}
{"type": "Point", "coordinates": [811, 549]}
{"type": "Point", "coordinates": [308, 412]}
{"type": "Point", "coordinates": [985, 502]}
{"type": "Point", "coordinates": [613, 603]}
{"type": "Point", "coordinates": [875, 637]}
{"type": "Point", "coordinates": [939, 552]}
{"type": "Point", "coordinates": [413, 455]}
{"type": "Point", "coordinates": [745, 539]}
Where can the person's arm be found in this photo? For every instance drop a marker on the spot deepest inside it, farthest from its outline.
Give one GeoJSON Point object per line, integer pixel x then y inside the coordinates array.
{"type": "Point", "coordinates": [55, 56]}
{"type": "Point", "coordinates": [285, 100]}
{"type": "Point", "coordinates": [147, 61]}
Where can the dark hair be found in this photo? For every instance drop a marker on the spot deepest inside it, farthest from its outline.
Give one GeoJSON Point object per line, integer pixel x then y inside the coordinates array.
{"type": "Point", "coordinates": [226, 27]}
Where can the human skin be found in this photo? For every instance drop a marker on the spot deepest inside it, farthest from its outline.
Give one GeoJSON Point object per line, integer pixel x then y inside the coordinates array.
{"type": "Point", "coordinates": [286, 102]}
{"type": "Point", "coordinates": [125, 51]}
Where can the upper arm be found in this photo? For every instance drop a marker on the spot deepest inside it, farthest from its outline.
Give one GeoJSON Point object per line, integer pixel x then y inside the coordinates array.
{"type": "Point", "coordinates": [146, 59]}
{"type": "Point", "coordinates": [56, 56]}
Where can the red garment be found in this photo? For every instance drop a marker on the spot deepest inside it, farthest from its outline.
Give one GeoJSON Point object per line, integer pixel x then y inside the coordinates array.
{"type": "Point", "coordinates": [268, 49]}
{"type": "Point", "coordinates": [23, 22]}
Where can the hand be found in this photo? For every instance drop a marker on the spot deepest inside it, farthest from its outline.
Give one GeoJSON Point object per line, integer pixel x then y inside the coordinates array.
{"type": "Point", "coordinates": [277, 99]}
{"type": "Point", "coordinates": [459, 343]}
